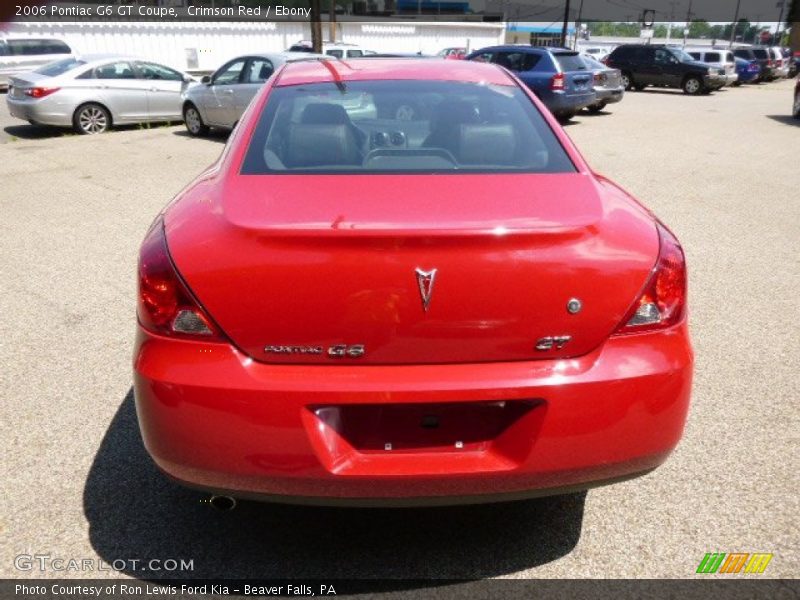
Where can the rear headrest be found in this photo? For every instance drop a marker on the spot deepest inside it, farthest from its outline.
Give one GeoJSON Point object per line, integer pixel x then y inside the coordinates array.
{"type": "Point", "coordinates": [265, 72]}
{"type": "Point", "coordinates": [487, 145]}
{"type": "Point", "coordinates": [312, 145]}
{"type": "Point", "coordinates": [451, 115]}
{"type": "Point", "coordinates": [324, 113]}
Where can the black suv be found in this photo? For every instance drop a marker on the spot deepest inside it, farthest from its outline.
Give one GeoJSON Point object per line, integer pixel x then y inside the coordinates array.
{"type": "Point", "coordinates": [664, 66]}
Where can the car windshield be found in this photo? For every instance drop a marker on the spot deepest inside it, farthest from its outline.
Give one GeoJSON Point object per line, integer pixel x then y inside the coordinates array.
{"type": "Point", "coordinates": [570, 61]}
{"type": "Point", "coordinates": [60, 66]}
{"type": "Point", "coordinates": [592, 63]}
{"type": "Point", "coordinates": [403, 127]}
{"type": "Point", "coordinates": [681, 55]}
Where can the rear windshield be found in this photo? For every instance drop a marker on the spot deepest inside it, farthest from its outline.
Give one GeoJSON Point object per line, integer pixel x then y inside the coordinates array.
{"type": "Point", "coordinates": [760, 53]}
{"type": "Point", "coordinates": [402, 127]}
{"type": "Point", "coordinates": [60, 66]}
{"type": "Point", "coordinates": [570, 62]}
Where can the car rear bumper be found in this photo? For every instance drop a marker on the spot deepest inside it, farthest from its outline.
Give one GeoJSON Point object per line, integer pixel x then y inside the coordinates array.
{"type": "Point", "coordinates": [44, 111]}
{"type": "Point", "coordinates": [609, 95]}
{"type": "Point", "coordinates": [213, 418]}
{"type": "Point", "coordinates": [568, 102]}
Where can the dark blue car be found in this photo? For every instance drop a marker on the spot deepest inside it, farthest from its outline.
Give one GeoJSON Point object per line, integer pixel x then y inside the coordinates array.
{"type": "Point", "coordinates": [747, 70]}
{"type": "Point", "coordinates": [557, 76]}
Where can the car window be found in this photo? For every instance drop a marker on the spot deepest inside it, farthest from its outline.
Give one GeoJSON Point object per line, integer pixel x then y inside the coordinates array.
{"type": "Point", "coordinates": [623, 52]}
{"type": "Point", "coordinates": [325, 128]}
{"type": "Point", "coordinates": [663, 57]}
{"type": "Point", "coordinates": [760, 53]}
{"type": "Point", "coordinates": [335, 53]}
{"type": "Point", "coordinates": [696, 55]}
{"type": "Point", "coordinates": [643, 54]}
{"type": "Point", "coordinates": [679, 54]}
{"type": "Point", "coordinates": [115, 70]}
{"type": "Point", "coordinates": [713, 57]}
{"type": "Point", "coordinates": [593, 63]}
{"type": "Point", "coordinates": [354, 53]}
{"type": "Point", "coordinates": [60, 66]}
{"type": "Point", "coordinates": [570, 61]}
{"type": "Point", "coordinates": [516, 61]}
{"type": "Point", "coordinates": [729, 57]}
{"type": "Point", "coordinates": [484, 57]}
{"type": "Point", "coordinates": [37, 47]}
{"type": "Point", "coordinates": [229, 73]}
{"type": "Point", "coordinates": [158, 72]}
{"type": "Point", "coordinates": [258, 70]}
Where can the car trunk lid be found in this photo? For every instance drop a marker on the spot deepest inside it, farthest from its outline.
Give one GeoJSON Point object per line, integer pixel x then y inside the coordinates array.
{"type": "Point", "coordinates": [291, 267]}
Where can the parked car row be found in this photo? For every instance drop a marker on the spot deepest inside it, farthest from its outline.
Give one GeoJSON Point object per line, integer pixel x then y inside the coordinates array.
{"type": "Point", "coordinates": [561, 78]}
{"type": "Point", "coordinates": [92, 93]}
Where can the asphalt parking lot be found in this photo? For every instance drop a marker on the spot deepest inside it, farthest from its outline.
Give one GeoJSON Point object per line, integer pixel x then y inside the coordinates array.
{"type": "Point", "coordinates": [721, 170]}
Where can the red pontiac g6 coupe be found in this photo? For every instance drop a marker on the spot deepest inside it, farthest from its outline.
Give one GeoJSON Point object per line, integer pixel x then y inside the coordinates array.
{"type": "Point", "coordinates": [361, 305]}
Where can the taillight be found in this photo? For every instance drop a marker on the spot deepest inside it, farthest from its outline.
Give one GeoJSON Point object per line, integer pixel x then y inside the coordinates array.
{"type": "Point", "coordinates": [557, 82]}
{"type": "Point", "coordinates": [165, 304]}
{"type": "Point", "coordinates": [40, 92]}
{"type": "Point", "coordinates": [604, 60]}
{"type": "Point", "coordinates": [663, 300]}
{"type": "Point", "coordinates": [599, 78]}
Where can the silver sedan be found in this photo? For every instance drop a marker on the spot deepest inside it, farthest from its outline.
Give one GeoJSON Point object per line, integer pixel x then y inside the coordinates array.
{"type": "Point", "coordinates": [221, 99]}
{"type": "Point", "coordinates": [91, 93]}
{"type": "Point", "coordinates": [607, 84]}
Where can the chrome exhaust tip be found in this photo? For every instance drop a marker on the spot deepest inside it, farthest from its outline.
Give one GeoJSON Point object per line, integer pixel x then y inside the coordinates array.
{"type": "Point", "coordinates": [222, 503]}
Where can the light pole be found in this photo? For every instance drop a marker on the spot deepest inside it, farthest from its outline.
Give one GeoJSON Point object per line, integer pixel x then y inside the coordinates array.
{"type": "Point", "coordinates": [577, 25]}
{"type": "Point", "coordinates": [735, 22]}
{"type": "Point", "coordinates": [777, 42]}
{"type": "Point", "coordinates": [566, 24]}
{"type": "Point", "coordinates": [688, 23]}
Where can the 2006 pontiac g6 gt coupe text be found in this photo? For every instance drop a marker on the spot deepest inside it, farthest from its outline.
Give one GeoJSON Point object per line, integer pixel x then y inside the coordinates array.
{"type": "Point", "coordinates": [367, 305]}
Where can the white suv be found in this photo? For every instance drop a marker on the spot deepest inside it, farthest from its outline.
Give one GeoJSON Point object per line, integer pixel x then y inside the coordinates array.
{"type": "Point", "coordinates": [335, 49]}
{"type": "Point", "coordinates": [20, 55]}
{"type": "Point", "coordinates": [722, 59]}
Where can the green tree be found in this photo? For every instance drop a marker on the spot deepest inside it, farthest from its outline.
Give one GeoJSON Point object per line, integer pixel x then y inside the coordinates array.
{"type": "Point", "coordinates": [699, 29]}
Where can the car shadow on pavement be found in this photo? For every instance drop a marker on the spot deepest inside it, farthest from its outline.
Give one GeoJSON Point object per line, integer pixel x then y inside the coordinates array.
{"type": "Point", "coordinates": [215, 135]}
{"type": "Point", "coordinates": [135, 512]}
{"type": "Point", "coordinates": [785, 119]}
{"type": "Point", "coordinates": [36, 132]}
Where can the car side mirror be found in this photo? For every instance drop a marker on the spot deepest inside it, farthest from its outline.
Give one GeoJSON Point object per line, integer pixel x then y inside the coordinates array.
{"type": "Point", "coordinates": [206, 79]}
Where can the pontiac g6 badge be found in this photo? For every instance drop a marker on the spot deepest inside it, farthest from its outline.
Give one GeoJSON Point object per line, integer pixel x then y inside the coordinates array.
{"type": "Point", "coordinates": [425, 281]}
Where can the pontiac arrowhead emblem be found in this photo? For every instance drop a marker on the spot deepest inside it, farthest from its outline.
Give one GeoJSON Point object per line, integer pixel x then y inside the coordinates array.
{"type": "Point", "coordinates": [425, 281]}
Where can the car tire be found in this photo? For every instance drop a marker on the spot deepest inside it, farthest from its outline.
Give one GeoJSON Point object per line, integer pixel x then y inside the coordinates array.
{"type": "Point", "coordinates": [627, 80]}
{"type": "Point", "coordinates": [596, 108]}
{"type": "Point", "coordinates": [796, 108]}
{"type": "Point", "coordinates": [193, 121]}
{"type": "Point", "coordinates": [91, 118]}
{"type": "Point", "coordinates": [692, 86]}
{"type": "Point", "coordinates": [565, 116]}
{"type": "Point", "coordinates": [639, 87]}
